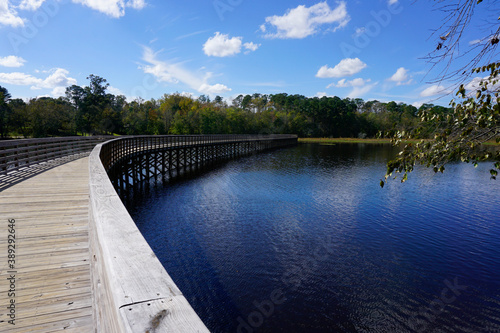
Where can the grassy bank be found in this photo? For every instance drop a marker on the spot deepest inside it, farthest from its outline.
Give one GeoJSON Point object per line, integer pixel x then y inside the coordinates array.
{"type": "Point", "coordinates": [331, 141]}
{"type": "Point", "coordinates": [342, 140]}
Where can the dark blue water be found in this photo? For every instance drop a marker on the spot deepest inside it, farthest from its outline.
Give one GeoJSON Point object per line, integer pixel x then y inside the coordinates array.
{"type": "Point", "coordinates": [305, 240]}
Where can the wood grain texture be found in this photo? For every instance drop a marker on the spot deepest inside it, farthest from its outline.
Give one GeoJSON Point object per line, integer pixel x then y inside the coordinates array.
{"type": "Point", "coordinates": [53, 288]}
{"type": "Point", "coordinates": [131, 290]}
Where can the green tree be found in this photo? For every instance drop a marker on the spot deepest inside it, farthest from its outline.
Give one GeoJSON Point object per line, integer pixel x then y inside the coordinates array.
{"type": "Point", "coordinates": [49, 117]}
{"type": "Point", "coordinates": [19, 120]}
{"type": "Point", "coordinates": [76, 96]}
{"type": "Point", "coordinates": [461, 134]}
{"type": "Point", "coordinates": [4, 111]}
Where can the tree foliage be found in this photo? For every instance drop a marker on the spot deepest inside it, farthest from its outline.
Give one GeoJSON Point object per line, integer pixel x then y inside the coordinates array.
{"type": "Point", "coordinates": [4, 111]}
{"type": "Point", "coordinates": [91, 110]}
{"type": "Point", "coordinates": [461, 134]}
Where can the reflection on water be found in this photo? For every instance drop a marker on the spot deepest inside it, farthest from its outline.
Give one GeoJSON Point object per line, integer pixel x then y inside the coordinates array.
{"type": "Point", "coordinates": [305, 240]}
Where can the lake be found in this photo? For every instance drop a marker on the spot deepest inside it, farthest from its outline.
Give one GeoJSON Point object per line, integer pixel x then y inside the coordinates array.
{"type": "Point", "coordinates": [305, 240]}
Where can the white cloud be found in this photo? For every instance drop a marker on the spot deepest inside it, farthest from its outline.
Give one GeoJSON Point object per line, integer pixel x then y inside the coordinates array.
{"type": "Point", "coordinates": [359, 31]}
{"type": "Point", "coordinates": [474, 85]}
{"type": "Point", "coordinates": [359, 82]}
{"type": "Point", "coordinates": [19, 79]}
{"type": "Point", "coordinates": [221, 45]}
{"type": "Point", "coordinates": [8, 15]}
{"type": "Point", "coordinates": [392, 2]}
{"type": "Point", "coordinates": [59, 78]}
{"type": "Point", "coordinates": [251, 46]}
{"type": "Point", "coordinates": [113, 8]}
{"type": "Point", "coordinates": [31, 4]}
{"type": "Point", "coordinates": [360, 86]}
{"type": "Point", "coordinates": [115, 91]}
{"type": "Point", "coordinates": [434, 90]}
{"type": "Point", "coordinates": [303, 21]}
{"type": "Point", "coordinates": [418, 104]}
{"type": "Point", "coordinates": [12, 61]}
{"type": "Point", "coordinates": [321, 94]}
{"type": "Point", "coordinates": [174, 73]}
{"type": "Point", "coordinates": [345, 67]}
{"type": "Point", "coordinates": [213, 89]}
{"type": "Point", "coordinates": [359, 91]}
{"type": "Point", "coordinates": [136, 4]}
{"type": "Point", "coordinates": [58, 92]}
{"type": "Point", "coordinates": [401, 77]}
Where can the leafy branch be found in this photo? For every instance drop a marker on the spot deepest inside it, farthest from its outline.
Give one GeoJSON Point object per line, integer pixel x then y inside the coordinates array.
{"type": "Point", "coordinates": [459, 135]}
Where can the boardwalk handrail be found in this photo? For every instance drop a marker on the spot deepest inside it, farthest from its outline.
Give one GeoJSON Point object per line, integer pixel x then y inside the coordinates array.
{"type": "Point", "coordinates": [17, 154]}
{"type": "Point", "coordinates": [117, 150]}
{"type": "Point", "coordinates": [132, 292]}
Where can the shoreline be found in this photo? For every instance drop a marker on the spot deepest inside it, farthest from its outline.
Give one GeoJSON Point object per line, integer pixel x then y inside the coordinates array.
{"type": "Point", "coordinates": [342, 140]}
{"type": "Point", "coordinates": [327, 141]}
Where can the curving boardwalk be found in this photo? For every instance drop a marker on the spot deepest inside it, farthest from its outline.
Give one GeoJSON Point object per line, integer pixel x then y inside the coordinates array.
{"type": "Point", "coordinates": [52, 269]}
{"type": "Point", "coordinates": [65, 269]}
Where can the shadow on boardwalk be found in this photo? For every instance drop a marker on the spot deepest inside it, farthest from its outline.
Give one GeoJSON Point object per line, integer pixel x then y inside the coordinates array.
{"type": "Point", "coordinates": [15, 177]}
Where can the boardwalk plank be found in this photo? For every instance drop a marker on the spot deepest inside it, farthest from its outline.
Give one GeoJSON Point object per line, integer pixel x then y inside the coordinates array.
{"type": "Point", "coordinates": [52, 269]}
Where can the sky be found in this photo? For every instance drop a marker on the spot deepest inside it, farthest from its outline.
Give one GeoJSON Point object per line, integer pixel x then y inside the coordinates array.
{"type": "Point", "coordinates": [369, 49]}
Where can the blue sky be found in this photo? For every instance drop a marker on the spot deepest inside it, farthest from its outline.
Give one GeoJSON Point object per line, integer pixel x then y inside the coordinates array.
{"type": "Point", "coordinates": [371, 49]}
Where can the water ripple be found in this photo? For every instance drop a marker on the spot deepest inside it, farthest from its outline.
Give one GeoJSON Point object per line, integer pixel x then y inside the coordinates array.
{"type": "Point", "coordinates": [310, 228]}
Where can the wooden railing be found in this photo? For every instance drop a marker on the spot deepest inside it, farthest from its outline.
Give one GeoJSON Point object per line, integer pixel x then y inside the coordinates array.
{"type": "Point", "coordinates": [131, 290]}
{"type": "Point", "coordinates": [116, 150]}
{"type": "Point", "coordinates": [17, 154]}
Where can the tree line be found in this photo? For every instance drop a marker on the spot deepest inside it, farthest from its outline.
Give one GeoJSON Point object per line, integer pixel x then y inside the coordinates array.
{"type": "Point", "coordinates": [92, 110]}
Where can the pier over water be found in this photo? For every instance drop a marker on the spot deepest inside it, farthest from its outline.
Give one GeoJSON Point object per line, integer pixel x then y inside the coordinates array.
{"type": "Point", "coordinates": [77, 261]}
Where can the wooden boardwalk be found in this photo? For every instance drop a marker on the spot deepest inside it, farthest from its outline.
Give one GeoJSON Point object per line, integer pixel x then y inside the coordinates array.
{"type": "Point", "coordinates": [52, 268]}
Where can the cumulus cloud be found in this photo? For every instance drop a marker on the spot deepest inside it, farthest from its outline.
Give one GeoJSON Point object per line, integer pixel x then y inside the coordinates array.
{"type": "Point", "coordinates": [31, 4]}
{"type": "Point", "coordinates": [221, 45]}
{"type": "Point", "coordinates": [57, 79]}
{"type": "Point", "coordinates": [401, 77]}
{"type": "Point", "coordinates": [475, 84]}
{"type": "Point", "coordinates": [8, 15]}
{"type": "Point", "coordinates": [346, 67]}
{"type": "Point", "coordinates": [113, 8]}
{"type": "Point", "coordinates": [322, 94]}
{"type": "Point", "coordinates": [213, 89]}
{"type": "Point", "coordinates": [136, 4]}
{"type": "Point", "coordinates": [418, 104]}
{"type": "Point", "coordinates": [164, 71]}
{"type": "Point", "coordinates": [251, 46]}
{"type": "Point", "coordinates": [303, 21]}
{"type": "Point", "coordinates": [115, 91]}
{"type": "Point", "coordinates": [12, 61]}
{"type": "Point", "coordinates": [19, 79]}
{"type": "Point", "coordinates": [434, 90]}
{"type": "Point", "coordinates": [58, 92]}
